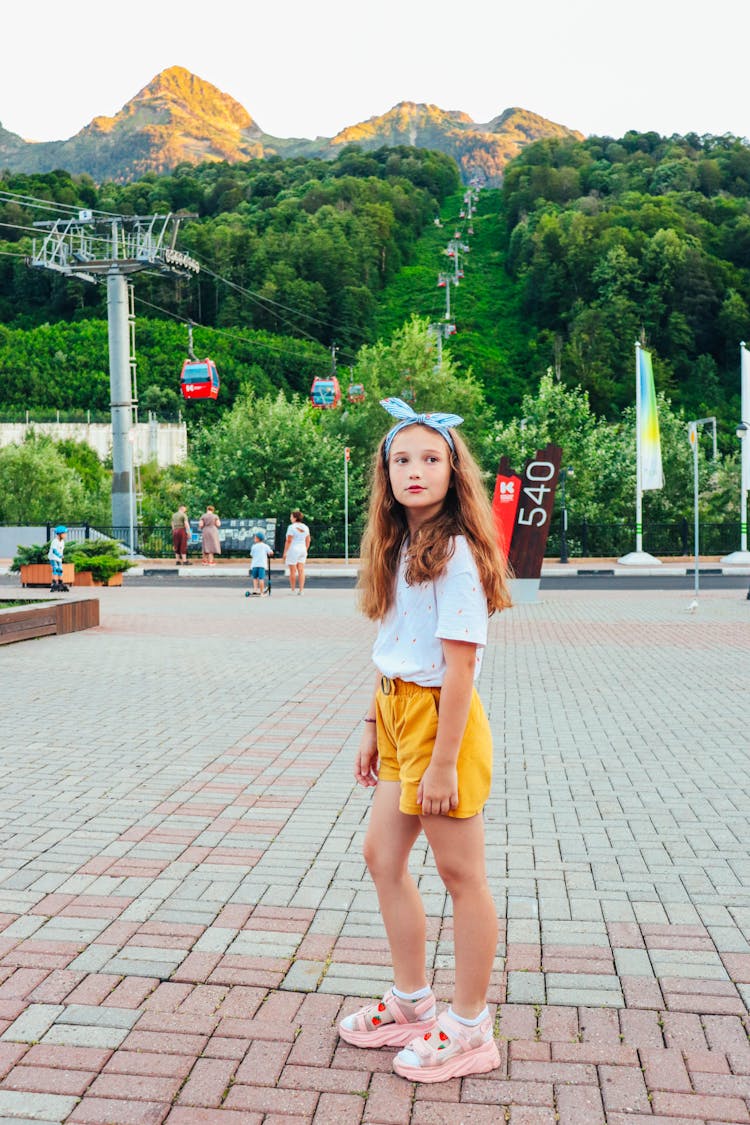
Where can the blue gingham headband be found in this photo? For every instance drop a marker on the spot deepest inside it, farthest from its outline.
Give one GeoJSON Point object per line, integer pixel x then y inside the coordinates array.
{"type": "Point", "coordinates": [408, 417]}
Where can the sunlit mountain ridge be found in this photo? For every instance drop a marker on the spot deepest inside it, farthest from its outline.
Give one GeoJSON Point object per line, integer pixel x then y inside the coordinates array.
{"type": "Point", "coordinates": [180, 118]}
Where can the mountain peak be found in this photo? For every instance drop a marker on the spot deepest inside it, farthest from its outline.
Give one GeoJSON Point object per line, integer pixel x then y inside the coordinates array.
{"type": "Point", "coordinates": [181, 94]}
{"type": "Point", "coordinates": [180, 118]}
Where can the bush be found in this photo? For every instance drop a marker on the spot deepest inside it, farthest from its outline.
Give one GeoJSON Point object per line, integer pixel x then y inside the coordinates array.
{"type": "Point", "coordinates": [103, 557]}
{"type": "Point", "coordinates": [30, 556]}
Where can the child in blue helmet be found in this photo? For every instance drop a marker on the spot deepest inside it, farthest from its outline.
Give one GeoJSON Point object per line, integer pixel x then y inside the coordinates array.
{"type": "Point", "coordinates": [55, 556]}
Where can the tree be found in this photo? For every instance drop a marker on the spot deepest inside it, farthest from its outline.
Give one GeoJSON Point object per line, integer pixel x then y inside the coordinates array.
{"type": "Point", "coordinates": [36, 486]}
{"type": "Point", "coordinates": [267, 456]}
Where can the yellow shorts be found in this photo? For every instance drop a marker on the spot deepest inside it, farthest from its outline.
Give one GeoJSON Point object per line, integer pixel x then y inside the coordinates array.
{"type": "Point", "coordinates": [407, 719]}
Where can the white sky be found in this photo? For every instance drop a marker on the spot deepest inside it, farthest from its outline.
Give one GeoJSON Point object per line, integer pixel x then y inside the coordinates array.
{"type": "Point", "coordinates": [306, 69]}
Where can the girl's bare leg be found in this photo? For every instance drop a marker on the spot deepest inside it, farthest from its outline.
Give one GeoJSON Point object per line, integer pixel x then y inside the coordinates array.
{"type": "Point", "coordinates": [458, 848]}
{"type": "Point", "coordinates": [292, 575]}
{"type": "Point", "coordinates": [301, 576]}
{"type": "Point", "coordinates": [390, 837]}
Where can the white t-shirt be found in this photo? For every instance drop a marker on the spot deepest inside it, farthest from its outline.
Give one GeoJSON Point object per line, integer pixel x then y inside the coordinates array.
{"type": "Point", "coordinates": [452, 608]}
{"type": "Point", "coordinates": [299, 533]}
{"type": "Point", "coordinates": [259, 554]}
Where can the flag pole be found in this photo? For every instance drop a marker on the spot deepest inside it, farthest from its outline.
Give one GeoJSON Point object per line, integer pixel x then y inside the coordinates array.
{"type": "Point", "coordinates": [742, 557]}
{"type": "Point", "coordinates": [638, 479]}
{"type": "Point", "coordinates": [639, 557]}
{"type": "Point", "coordinates": [744, 445]}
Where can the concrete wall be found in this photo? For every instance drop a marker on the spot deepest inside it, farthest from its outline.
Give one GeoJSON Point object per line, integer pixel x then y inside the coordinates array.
{"type": "Point", "coordinates": [11, 538]}
{"type": "Point", "coordinates": [164, 442]}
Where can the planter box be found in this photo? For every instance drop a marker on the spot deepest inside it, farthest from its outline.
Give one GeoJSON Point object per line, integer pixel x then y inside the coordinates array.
{"type": "Point", "coordinates": [86, 578]}
{"type": "Point", "coordinates": [53, 617]}
{"type": "Point", "coordinates": [40, 574]}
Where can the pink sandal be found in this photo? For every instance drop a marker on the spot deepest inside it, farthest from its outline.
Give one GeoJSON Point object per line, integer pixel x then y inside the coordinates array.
{"type": "Point", "coordinates": [451, 1050]}
{"type": "Point", "coordinates": [390, 1023]}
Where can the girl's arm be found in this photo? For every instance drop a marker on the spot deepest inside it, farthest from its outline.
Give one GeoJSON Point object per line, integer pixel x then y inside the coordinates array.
{"type": "Point", "coordinates": [366, 761]}
{"type": "Point", "coordinates": [287, 545]}
{"type": "Point", "coordinates": [438, 789]}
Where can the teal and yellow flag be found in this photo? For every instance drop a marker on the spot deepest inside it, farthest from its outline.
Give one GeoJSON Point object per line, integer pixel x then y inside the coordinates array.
{"type": "Point", "coordinates": [649, 445]}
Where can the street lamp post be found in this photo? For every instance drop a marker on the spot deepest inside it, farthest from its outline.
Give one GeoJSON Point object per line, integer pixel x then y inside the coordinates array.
{"type": "Point", "coordinates": [347, 454]}
{"type": "Point", "coordinates": [693, 439]}
{"type": "Point", "coordinates": [131, 498]}
{"type": "Point", "coordinates": [742, 432]}
{"type": "Point", "coordinates": [743, 429]}
{"type": "Point", "coordinates": [564, 474]}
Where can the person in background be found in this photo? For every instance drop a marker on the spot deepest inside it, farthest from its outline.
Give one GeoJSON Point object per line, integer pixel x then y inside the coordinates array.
{"type": "Point", "coordinates": [209, 525]}
{"type": "Point", "coordinates": [55, 556]}
{"type": "Point", "coordinates": [295, 550]}
{"type": "Point", "coordinates": [260, 553]}
{"type": "Point", "coordinates": [180, 535]}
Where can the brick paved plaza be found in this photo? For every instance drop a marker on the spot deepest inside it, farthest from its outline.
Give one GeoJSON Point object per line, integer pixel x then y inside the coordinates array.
{"type": "Point", "coordinates": [184, 911]}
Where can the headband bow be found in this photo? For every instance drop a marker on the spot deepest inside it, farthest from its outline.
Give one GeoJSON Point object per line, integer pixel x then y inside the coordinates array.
{"type": "Point", "coordinates": [408, 417]}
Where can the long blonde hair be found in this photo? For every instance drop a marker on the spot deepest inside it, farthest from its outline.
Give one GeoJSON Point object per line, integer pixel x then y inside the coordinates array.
{"type": "Point", "coordinates": [466, 511]}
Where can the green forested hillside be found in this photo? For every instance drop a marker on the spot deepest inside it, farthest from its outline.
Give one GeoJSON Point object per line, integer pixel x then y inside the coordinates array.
{"type": "Point", "coordinates": [645, 237]}
{"type": "Point", "coordinates": [296, 247]}
{"type": "Point", "coordinates": [589, 245]}
{"type": "Point", "coordinates": [493, 339]}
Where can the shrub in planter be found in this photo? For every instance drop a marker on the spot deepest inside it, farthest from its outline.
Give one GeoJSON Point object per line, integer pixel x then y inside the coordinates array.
{"type": "Point", "coordinates": [35, 555]}
{"type": "Point", "coordinates": [102, 558]}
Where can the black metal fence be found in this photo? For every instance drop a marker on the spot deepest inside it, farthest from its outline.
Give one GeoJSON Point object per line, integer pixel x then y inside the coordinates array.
{"type": "Point", "coordinates": [327, 540]}
{"type": "Point", "coordinates": [610, 540]}
{"type": "Point", "coordinates": [584, 539]}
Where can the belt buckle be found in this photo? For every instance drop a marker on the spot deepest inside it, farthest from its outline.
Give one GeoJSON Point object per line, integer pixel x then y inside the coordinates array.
{"type": "Point", "coordinates": [386, 685]}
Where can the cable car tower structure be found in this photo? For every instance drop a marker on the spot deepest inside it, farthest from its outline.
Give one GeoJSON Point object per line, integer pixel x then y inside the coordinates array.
{"type": "Point", "coordinates": [94, 247]}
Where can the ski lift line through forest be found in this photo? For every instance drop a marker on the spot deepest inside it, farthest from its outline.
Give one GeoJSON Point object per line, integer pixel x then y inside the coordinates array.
{"type": "Point", "coordinates": [225, 331]}
{"type": "Point", "coordinates": [48, 205]}
{"type": "Point", "coordinates": [264, 302]}
{"type": "Point", "coordinates": [259, 300]}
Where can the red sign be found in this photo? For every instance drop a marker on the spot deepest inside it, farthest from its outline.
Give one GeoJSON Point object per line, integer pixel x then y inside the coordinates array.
{"type": "Point", "coordinates": [347, 451]}
{"type": "Point", "coordinates": [504, 508]}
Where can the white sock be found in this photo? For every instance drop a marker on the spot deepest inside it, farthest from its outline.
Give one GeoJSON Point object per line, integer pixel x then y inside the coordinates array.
{"type": "Point", "coordinates": [469, 1023]}
{"type": "Point", "coordinates": [419, 995]}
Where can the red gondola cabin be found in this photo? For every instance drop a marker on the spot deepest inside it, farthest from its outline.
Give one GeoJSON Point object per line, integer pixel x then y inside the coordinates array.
{"type": "Point", "coordinates": [325, 393]}
{"type": "Point", "coordinates": [356, 392]}
{"type": "Point", "coordinates": [199, 379]}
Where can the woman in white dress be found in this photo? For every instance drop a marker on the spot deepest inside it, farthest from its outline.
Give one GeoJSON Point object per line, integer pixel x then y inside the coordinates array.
{"type": "Point", "coordinates": [295, 551]}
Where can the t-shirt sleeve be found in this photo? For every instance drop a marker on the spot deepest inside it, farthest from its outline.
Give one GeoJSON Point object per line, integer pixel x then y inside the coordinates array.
{"type": "Point", "coordinates": [461, 601]}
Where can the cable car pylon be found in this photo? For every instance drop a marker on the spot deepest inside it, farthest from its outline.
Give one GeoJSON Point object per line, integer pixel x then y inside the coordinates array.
{"type": "Point", "coordinates": [95, 246]}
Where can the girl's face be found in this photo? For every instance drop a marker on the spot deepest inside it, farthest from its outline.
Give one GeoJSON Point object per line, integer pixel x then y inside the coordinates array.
{"type": "Point", "coordinates": [419, 469]}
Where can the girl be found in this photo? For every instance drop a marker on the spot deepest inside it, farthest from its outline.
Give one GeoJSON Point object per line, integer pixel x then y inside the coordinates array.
{"type": "Point", "coordinates": [295, 550]}
{"type": "Point", "coordinates": [432, 573]}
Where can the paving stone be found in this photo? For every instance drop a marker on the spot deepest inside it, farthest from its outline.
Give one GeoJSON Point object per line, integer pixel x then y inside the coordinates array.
{"type": "Point", "coordinates": [526, 988]}
{"type": "Point", "coordinates": [35, 1107]}
{"type": "Point", "coordinates": [32, 1023]}
{"type": "Point", "coordinates": [89, 1015]}
{"type": "Point", "coordinates": [75, 1035]}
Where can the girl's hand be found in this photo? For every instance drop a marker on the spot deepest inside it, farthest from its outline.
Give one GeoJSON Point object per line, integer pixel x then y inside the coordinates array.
{"type": "Point", "coordinates": [366, 761]}
{"type": "Point", "coordinates": [438, 790]}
